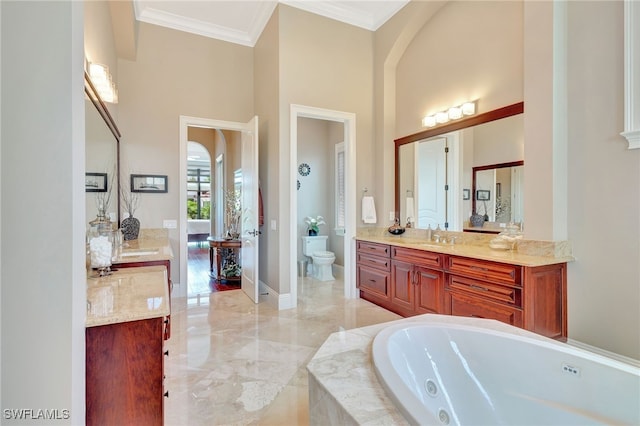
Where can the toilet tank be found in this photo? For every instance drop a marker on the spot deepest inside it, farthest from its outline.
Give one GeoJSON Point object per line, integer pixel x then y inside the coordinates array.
{"type": "Point", "coordinates": [311, 245]}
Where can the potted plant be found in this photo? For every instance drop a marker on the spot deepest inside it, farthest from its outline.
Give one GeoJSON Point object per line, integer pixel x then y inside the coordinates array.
{"type": "Point", "coordinates": [313, 223]}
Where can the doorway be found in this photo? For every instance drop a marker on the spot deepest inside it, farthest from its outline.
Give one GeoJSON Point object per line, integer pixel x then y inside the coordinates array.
{"type": "Point", "coordinates": [349, 137]}
{"type": "Point", "coordinates": [240, 141]}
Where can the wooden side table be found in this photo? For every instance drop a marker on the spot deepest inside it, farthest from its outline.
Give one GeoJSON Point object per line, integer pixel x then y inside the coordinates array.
{"type": "Point", "coordinates": [218, 247]}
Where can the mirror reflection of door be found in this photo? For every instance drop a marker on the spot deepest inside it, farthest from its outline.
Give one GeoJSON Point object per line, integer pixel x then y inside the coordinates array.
{"type": "Point", "coordinates": [431, 178]}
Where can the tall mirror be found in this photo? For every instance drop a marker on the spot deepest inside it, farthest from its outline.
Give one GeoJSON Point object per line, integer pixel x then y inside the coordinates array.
{"type": "Point", "coordinates": [102, 149]}
{"type": "Point", "coordinates": [436, 181]}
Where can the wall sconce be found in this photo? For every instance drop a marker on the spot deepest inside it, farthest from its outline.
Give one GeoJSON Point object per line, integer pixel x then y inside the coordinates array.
{"type": "Point", "coordinates": [101, 79]}
{"type": "Point", "coordinates": [453, 113]}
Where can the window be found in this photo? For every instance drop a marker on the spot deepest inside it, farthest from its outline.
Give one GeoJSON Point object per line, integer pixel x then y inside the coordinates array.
{"type": "Point", "coordinates": [340, 188]}
{"type": "Point", "coordinates": [198, 193]}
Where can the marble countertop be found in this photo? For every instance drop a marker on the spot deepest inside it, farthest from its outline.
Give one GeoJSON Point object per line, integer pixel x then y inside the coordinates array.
{"type": "Point", "coordinates": [129, 294]}
{"type": "Point", "coordinates": [147, 248]}
{"type": "Point", "coordinates": [532, 253]}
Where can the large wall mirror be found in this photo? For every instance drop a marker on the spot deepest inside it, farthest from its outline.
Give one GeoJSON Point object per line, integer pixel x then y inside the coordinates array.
{"type": "Point", "coordinates": [439, 171]}
{"type": "Point", "coordinates": [102, 155]}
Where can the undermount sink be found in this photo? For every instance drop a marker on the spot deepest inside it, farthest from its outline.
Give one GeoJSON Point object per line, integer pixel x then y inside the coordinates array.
{"type": "Point", "coordinates": [131, 253]}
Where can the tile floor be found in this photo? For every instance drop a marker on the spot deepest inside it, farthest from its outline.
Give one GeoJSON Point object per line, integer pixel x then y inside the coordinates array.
{"type": "Point", "coordinates": [233, 362]}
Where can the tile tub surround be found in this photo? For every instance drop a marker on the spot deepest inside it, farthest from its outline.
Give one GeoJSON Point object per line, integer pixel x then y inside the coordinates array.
{"type": "Point", "coordinates": [128, 294]}
{"type": "Point", "coordinates": [474, 245]}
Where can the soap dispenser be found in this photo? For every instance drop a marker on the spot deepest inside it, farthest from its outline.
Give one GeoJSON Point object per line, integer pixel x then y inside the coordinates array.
{"type": "Point", "coordinates": [429, 232]}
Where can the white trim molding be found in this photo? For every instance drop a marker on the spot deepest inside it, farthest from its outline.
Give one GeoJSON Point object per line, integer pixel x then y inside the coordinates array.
{"type": "Point", "coordinates": [632, 73]}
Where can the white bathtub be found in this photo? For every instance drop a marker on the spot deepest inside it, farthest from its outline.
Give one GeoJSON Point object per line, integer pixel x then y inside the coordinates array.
{"type": "Point", "coordinates": [456, 373]}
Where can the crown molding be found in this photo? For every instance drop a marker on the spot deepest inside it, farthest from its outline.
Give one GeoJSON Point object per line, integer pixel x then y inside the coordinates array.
{"type": "Point", "coordinates": [195, 26]}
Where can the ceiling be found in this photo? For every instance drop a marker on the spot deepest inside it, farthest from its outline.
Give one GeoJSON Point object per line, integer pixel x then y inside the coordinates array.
{"type": "Point", "coordinates": [242, 21]}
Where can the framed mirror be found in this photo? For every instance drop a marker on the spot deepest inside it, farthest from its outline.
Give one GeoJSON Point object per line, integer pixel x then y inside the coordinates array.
{"type": "Point", "coordinates": [498, 191]}
{"type": "Point", "coordinates": [434, 170]}
{"type": "Point", "coordinates": [102, 155]}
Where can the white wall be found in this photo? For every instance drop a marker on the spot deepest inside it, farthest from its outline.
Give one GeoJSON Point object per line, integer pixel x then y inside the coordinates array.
{"type": "Point", "coordinates": [43, 262]}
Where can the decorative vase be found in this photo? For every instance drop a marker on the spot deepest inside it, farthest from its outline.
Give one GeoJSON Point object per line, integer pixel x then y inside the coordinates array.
{"type": "Point", "coordinates": [312, 233]}
{"type": "Point", "coordinates": [476, 220]}
{"type": "Point", "coordinates": [130, 228]}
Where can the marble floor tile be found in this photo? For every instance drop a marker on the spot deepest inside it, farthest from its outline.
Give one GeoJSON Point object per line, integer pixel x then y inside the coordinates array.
{"type": "Point", "coordinates": [233, 362]}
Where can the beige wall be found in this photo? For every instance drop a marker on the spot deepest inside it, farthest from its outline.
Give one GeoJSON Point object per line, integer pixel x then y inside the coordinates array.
{"type": "Point", "coordinates": [603, 175]}
{"type": "Point", "coordinates": [174, 74]}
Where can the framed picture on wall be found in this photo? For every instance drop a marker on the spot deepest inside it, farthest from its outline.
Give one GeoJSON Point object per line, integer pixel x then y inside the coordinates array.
{"type": "Point", "coordinates": [95, 182]}
{"type": "Point", "coordinates": [466, 194]}
{"type": "Point", "coordinates": [483, 195]}
{"type": "Point", "coordinates": [149, 183]}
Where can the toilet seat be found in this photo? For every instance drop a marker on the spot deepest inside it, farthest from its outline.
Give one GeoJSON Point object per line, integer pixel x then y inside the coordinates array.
{"type": "Point", "coordinates": [321, 254]}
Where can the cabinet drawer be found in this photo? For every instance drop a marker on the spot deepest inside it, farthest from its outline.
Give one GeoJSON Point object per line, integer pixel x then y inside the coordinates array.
{"type": "Point", "coordinates": [485, 270]}
{"type": "Point", "coordinates": [499, 293]}
{"type": "Point", "coordinates": [469, 306]}
{"type": "Point", "coordinates": [418, 257]}
{"type": "Point", "coordinates": [375, 249]}
{"type": "Point", "coordinates": [374, 261]}
{"type": "Point", "coordinates": [372, 281]}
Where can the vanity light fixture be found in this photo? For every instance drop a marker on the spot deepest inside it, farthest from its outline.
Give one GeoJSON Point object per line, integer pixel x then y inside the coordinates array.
{"type": "Point", "coordinates": [453, 113]}
{"type": "Point", "coordinates": [101, 79]}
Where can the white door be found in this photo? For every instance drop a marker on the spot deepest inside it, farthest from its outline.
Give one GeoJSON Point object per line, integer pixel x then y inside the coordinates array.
{"type": "Point", "coordinates": [431, 174]}
{"type": "Point", "coordinates": [249, 227]}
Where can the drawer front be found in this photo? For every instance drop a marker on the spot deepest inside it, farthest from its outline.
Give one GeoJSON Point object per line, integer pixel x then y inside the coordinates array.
{"type": "Point", "coordinates": [374, 249]}
{"type": "Point", "coordinates": [465, 306]}
{"type": "Point", "coordinates": [372, 281]}
{"type": "Point", "coordinates": [418, 257]}
{"type": "Point", "coordinates": [485, 270]}
{"type": "Point", "coordinates": [496, 292]}
{"type": "Point", "coordinates": [374, 261]}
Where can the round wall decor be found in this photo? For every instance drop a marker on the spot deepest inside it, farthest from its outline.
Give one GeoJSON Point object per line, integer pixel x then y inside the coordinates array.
{"type": "Point", "coordinates": [304, 169]}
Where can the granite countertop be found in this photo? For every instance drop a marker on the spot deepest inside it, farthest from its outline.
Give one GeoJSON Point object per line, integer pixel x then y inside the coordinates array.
{"type": "Point", "coordinates": [150, 246]}
{"type": "Point", "coordinates": [528, 253]}
{"type": "Point", "coordinates": [129, 294]}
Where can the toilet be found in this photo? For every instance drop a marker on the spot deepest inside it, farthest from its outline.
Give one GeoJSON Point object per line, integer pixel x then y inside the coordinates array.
{"type": "Point", "coordinates": [316, 249]}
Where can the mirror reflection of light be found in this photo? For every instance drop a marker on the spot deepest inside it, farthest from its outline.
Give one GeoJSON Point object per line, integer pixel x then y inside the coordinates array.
{"type": "Point", "coordinates": [153, 303]}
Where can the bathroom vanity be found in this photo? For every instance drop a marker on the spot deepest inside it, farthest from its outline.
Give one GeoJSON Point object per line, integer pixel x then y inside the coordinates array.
{"type": "Point", "coordinates": [128, 320]}
{"type": "Point", "coordinates": [411, 276]}
{"type": "Point", "coordinates": [125, 334]}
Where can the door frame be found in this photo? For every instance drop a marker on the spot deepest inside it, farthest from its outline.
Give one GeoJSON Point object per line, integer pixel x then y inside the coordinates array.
{"type": "Point", "coordinates": [185, 123]}
{"type": "Point", "coordinates": [349, 122]}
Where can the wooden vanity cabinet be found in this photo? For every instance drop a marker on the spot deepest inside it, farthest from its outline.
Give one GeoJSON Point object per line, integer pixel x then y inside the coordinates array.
{"type": "Point", "coordinates": [411, 282]}
{"type": "Point", "coordinates": [373, 266]}
{"type": "Point", "coordinates": [533, 298]}
{"type": "Point", "coordinates": [125, 373]}
{"type": "Point", "coordinates": [417, 282]}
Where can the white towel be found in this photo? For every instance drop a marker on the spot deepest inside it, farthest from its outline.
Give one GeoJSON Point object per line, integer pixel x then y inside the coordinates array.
{"type": "Point", "coordinates": [410, 209]}
{"type": "Point", "coordinates": [368, 210]}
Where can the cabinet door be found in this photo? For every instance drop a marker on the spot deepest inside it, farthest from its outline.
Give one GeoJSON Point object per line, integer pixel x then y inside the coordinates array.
{"type": "Point", "coordinates": [403, 287]}
{"type": "Point", "coordinates": [430, 291]}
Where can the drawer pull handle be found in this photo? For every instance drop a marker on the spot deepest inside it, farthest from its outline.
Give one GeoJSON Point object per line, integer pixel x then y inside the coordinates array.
{"type": "Point", "coordinates": [479, 268]}
{"type": "Point", "coordinates": [166, 394]}
{"type": "Point", "coordinates": [372, 281]}
{"type": "Point", "coordinates": [166, 353]}
{"type": "Point", "coordinates": [477, 287]}
{"type": "Point", "coordinates": [475, 316]}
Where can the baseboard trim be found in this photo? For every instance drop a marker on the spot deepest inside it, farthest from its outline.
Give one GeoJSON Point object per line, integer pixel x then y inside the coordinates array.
{"type": "Point", "coordinates": [338, 272]}
{"type": "Point", "coordinates": [604, 352]}
{"type": "Point", "coordinates": [278, 301]}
